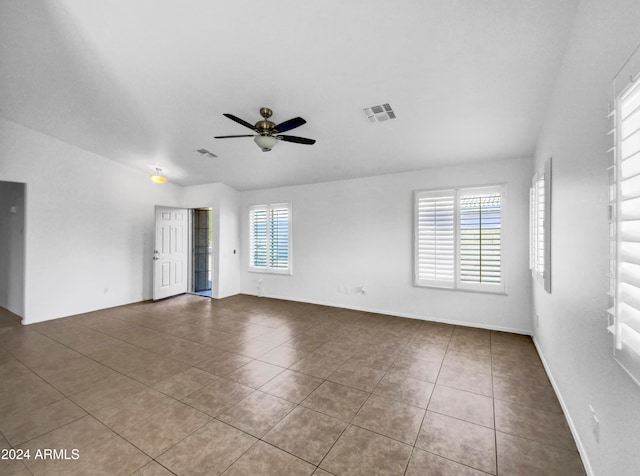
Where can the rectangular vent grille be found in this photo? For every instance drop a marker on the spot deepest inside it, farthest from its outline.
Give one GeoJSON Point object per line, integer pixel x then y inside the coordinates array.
{"type": "Point", "coordinates": [206, 153]}
{"type": "Point", "coordinates": [379, 113]}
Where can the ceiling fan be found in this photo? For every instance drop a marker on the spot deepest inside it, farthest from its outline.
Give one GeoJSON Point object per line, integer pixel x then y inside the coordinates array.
{"type": "Point", "coordinates": [268, 132]}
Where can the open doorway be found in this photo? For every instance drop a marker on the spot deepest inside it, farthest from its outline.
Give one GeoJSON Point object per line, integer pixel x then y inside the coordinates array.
{"type": "Point", "coordinates": [12, 247]}
{"type": "Point", "coordinates": [202, 251]}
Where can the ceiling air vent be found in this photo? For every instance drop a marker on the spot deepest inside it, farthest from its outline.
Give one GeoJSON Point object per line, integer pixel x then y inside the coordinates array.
{"type": "Point", "coordinates": [206, 153]}
{"type": "Point", "coordinates": [379, 113]}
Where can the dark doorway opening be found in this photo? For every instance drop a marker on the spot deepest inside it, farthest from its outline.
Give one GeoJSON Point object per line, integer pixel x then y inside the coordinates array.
{"type": "Point", "coordinates": [202, 251]}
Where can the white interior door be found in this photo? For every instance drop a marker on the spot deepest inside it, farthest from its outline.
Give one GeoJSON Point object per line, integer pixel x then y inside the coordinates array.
{"type": "Point", "coordinates": [170, 255]}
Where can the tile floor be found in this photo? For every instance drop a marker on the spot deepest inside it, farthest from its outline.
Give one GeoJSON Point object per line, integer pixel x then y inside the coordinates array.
{"type": "Point", "coordinates": [254, 386]}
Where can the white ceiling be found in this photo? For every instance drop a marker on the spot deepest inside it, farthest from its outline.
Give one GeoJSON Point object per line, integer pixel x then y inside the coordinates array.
{"type": "Point", "coordinates": [146, 82]}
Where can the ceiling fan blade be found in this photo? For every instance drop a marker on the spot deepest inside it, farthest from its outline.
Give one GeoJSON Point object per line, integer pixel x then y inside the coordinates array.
{"type": "Point", "coordinates": [241, 121]}
{"type": "Point", "coordinates": [229, 137]}
{"type": "Point", "coordinates": [297, 140]}
{"type": "Point", "coordinates": [290, 124]}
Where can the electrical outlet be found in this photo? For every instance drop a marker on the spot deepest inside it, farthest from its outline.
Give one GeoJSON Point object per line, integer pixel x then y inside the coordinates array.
{"type": "Point", "coordinates": [595, 424]}
{"type": "Point", "coordinates": [536, 320]}
{"type": "Point", "coordinates": [106, 290]}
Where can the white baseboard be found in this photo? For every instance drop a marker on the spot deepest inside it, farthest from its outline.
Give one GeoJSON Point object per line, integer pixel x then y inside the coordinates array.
{"type": "Point", "coordinates": [401, 314]}
{"type": "Point", "coordinates": [565, 409]}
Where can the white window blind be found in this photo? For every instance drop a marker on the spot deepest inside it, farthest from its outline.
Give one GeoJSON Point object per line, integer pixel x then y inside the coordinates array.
{"type": "Point", "coordinates": [625, 229]}
{"type": "Point", "coordinates": [270, 238]}
{"type": "Point", "coordinates": [540, 227]}
{"type": "Point", "coordinates": [435, 228]}
{"type": "Point", "coordinates": [458, 239]}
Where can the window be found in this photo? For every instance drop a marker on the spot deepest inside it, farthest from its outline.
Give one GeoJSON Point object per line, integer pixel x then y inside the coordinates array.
{"type": "Point", "coordinates": [458, 239]}
{"type": "Point", "coordinates": [540, 226]}
{"type": "Point", "coordinates": [624, 226]}
{"type": "Point", "coordinates": [270, 238]}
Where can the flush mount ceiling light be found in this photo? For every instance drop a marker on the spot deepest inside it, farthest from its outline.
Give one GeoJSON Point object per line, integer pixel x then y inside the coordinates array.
{"type": "Point", "coordinates": [157, 176]}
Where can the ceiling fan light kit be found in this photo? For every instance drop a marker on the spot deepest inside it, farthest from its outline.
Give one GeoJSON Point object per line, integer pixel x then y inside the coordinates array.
{"type": "Point", "coordinates": [265, 142]}
{"type": "Point", "coordinates": [267, 132]}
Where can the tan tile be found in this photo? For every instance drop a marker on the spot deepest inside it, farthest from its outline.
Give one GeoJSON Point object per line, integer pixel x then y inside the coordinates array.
{"type": "Point", "coordinates": [255, 347]}
{"type": "Point", "coordinates": [391, 418]}
{"type": "Point", "coordinates": [321, 472]}
{"type": "Point", "coordinates": [114, 456]}
{"type": "Point", "coordinates": [467, 406]}
{"type": "Point", "coordinates": [218, 396]}
{"type": "Point", "coordinates": [139, 364]}
{"type": "Point", "coordinates": [208, 451]}
{"type": "Point", "coordinates": [419, 369]}
{"type": "Point", "coordinates": [185, 383]}
{"type": "Point", "coordinates": [78, 375]}
{"type": "Point", "coordinates": [84, 340]}
{"type": "Point", "coordinates": [357, 376]}
{"type": "Point", "coordinates": [224, 363]}
{"type": "Point", "coordinates": [317, 365]}
{"type": "Point", "coordinates": [291, 386]}
{"type": "Point", "coordinates": [336, 400]}
{"type": "Point", "coordinates": [266, 460]}
{"type": "Point", "coordinates": [14, 468]}
{"type": "Point", "coordinates": [458, 440]}
{"type": "Point", "coordinates": [257, 413]}
{"type": "Point", "coordinates": [542, 426]}
{"type": "Point", "coordinates": [425, 350]}
{"type": "Point", "coordinates": [186, 351]}
{"type": "Point", "coordinates": [369, 357]}
{"type": "Point", "coordinates": [456, 375]}
{"type": "Point", "coordinates": [107, 392]}
{"type": "Point", "coordinates": [27, 392]}
{"type": "Point", "coordinates": [362, 452]}
{"type": "Point", "coordinates": [475, 363]}
{"type": "Point", "coordinates": [306, 434]}
{"type": "Point", "coordinates": [23, 426]}
{"type": "Point", "coordinates": [47, 363]}
{"type": "Point", "coordinates": [404, 389]}
{"type": "Point", "coordinates": [423, 463]}
{"type": "Point", "coordinates": [153, 469]}
{"type": "Point", "coordinates": [80, 435]}
{"type": "Point", "coordinates": [305, 343]}
{"type": "Point", "coordinates": [164, 429]}
{"type": "Point", "coordinates": [255, 374]}
{"type": "Point", "coordinates": [283, 356]}
{"type": "Point", "coordinates": [335, 349]}
{"type": "Point", "coordinates": [133, 409]}
{"type": "Point", "coordinates": [521, 456]}
{"type": "Point", "coordinates": [526, 393]}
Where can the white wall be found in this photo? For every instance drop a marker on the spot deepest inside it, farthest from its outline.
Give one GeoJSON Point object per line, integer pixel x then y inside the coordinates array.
{"type": "Point", "coordinates": [224, 202]}
{"type": "Point", "coordinates": [571, 335]}
{"type": "Point", "coordinates": [89, 225]}
{"type": "Point", "coordinates": [360, 233]}
{"type": "Point", "coordinates": [12, 219]}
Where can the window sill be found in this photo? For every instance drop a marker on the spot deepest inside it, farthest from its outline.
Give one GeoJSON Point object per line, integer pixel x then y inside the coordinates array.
{"type": "Point", "coordinates": [286, 272]}
{"type": "Point", "coordinates": [500, 292]}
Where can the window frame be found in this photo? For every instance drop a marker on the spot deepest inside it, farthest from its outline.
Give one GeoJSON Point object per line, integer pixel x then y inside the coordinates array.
{"type": "Point", "coordinates": [269, 268]}
{"type": "Point", "coordinates": [456, 284]}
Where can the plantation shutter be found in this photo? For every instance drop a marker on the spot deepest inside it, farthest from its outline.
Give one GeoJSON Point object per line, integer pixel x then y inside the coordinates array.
{"type": "Point", "coordinates": [480, 243]}
{"type": "Point", "coordinates": [625, 226]}
{"type": "Point", "coordinates": [540, 226]}
{"type": "Point", "coordinates": [270, 238]}
{"type": "Point", "coordinates": [279, 238]}
{"type": "Point", "coordinates": [258, 237]}
{"type": "Point", "coordinates": [435, 238]}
